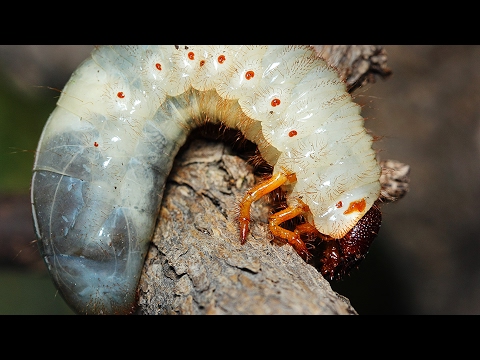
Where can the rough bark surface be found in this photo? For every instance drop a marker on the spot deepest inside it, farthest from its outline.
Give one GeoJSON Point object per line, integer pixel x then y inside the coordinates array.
{"type": "Point", "coordinates": [357, 64]}
{"type": "Point", "coordinates": [196, 264]}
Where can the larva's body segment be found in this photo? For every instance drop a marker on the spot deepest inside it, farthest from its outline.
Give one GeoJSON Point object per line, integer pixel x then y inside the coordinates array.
{"type": "Point", "coordinates": [108, 147]}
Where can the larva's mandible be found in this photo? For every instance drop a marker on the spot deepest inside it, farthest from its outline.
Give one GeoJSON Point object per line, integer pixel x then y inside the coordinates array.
{"type": "Point", "coordinates": [108, 147]}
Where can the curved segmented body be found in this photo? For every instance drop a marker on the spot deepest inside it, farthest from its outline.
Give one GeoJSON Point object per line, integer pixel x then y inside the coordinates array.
{"type": "Point", "coordinates": [108, 147]}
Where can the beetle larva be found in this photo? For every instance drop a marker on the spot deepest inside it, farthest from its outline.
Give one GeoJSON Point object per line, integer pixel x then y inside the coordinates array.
{"type": "Point", "coordinates": [108, 147]}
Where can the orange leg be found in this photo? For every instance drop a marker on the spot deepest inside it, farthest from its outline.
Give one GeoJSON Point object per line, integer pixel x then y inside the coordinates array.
{"type": "Point", "coordinates": [307, 229]}
{"type": "Point", "coordinates": [254, 194]}
{"type": "Point", "coordinates": [293, 237]}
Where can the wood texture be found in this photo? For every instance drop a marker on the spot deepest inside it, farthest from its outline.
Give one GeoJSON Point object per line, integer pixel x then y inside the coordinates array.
{"type": "Point", "coordinates": [358, 65]}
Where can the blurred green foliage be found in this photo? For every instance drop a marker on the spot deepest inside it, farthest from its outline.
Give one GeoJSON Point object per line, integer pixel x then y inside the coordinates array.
{"type": "Point", "coordinates": [26, 293]}
{"type": "Point", "coordinates": [22, 117]}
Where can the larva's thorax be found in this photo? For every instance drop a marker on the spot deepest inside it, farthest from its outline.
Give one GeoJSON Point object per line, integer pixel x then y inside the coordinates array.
{"type": "Point", "coordinates": [336, 168]}
{"type": "Point", "coordinates": [109, 145]}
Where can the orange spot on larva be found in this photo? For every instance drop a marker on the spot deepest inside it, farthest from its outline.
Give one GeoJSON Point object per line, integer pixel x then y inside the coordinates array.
{"type": "Point", "coordinates": [339, 204]}
{"type": "Point", "coordinates": [202, 62]}
{"type": "Point", "coordinates": [191, 55]}
{"type": "Point", "coordinates": [292, 133]}
{"type": "Point", "coordinates": [158, 66]}
{"type": "Point", "coordinates": [249, 74]}
{"type": "Point", "coordinates": [120, 94]}
{"type": "Point", "coordinates": [95, 144]}
{"type": "Point", "coordinates": [221, 59]}
{"type": "Point", "coordinates": [275, 102]}
{"type": "Point", "coordinates": [358, 205]}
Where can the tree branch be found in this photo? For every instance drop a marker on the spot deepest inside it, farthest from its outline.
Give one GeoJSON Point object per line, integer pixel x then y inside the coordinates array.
{"type": "Point", "coordinates": [358, 65]}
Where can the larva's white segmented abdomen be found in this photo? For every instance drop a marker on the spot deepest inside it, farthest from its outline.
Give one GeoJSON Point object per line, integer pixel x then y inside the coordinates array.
{"type": "Point", "coordinates": [219, 60]}
{"type": "Point", "coordinates": [154, 69]}
{"type": "Point", "coordinates": [267, 103]}
{"type": "Point", "coordinates": [245, 73]}
{"type": "Point", "coordinates": [211, 63]}
{"type": "Point", "coordinates": [284, 67]}
{"type": "Point", "coordinates": [312, 118]}
{"type": "Point", "coordinates": [109, 145]}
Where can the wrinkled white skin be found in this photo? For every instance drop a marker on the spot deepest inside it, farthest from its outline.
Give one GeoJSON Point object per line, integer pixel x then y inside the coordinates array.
{"type": "Point", "coordinates": [108, 147]}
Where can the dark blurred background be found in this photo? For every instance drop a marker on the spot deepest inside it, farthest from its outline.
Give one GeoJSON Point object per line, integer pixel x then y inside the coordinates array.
{"type": "Point", "coordinates": [425, 259]}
